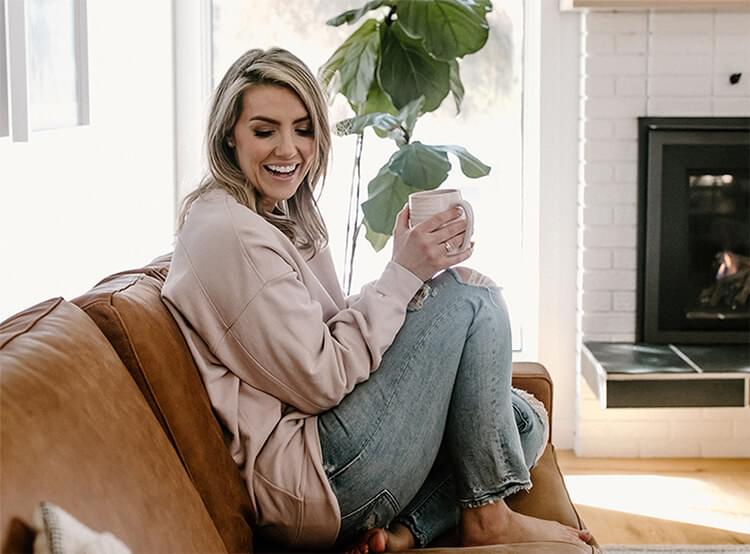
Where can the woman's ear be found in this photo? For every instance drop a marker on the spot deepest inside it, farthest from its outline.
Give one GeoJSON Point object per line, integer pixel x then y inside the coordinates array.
{"type": "Point", "coordinates": [230, 143]}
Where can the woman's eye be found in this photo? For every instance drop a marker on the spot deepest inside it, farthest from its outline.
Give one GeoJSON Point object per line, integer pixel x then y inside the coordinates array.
{"type": "Point", "coordinates": [262, 134]}
{"type": "Point", "coordinates": [305, 132]}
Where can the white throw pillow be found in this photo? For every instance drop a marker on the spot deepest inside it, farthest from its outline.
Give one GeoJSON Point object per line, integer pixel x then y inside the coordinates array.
{"type": "Point", "coordinates": [58, 532]}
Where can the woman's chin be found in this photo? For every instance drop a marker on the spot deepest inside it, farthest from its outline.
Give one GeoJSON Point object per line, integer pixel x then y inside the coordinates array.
{"type": "Point", "coordinates": [270, 202]}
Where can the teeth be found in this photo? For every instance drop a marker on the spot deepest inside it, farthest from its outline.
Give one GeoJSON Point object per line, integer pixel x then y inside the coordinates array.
{"type": "Point", "coordinates": [283, 168]}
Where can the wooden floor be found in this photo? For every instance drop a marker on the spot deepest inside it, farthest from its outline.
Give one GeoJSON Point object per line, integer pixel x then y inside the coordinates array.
{"type": "Point", "coordinates": [661, 501]}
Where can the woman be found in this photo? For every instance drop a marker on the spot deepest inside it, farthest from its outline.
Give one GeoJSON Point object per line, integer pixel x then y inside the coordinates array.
{"type": "Point", "coordinates": [385, 418]}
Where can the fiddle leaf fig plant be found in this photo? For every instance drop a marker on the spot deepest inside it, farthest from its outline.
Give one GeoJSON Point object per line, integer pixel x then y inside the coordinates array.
{"type": "Point", "coordinates": [399, 64]}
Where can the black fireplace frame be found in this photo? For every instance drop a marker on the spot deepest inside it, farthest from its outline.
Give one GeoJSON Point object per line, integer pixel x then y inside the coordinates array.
{"type": "Point", "coordinates": [647, 327]}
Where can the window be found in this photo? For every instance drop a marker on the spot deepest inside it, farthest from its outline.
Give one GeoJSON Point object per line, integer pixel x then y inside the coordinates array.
{"type": "Point", "coordinates": [489, 126]}
{"type": "Point", "coordinates": [47, 65]}
{"type": "Point", "coordinates": [57, 68]}
{"type": "Point", "coordinates": [70, 195]}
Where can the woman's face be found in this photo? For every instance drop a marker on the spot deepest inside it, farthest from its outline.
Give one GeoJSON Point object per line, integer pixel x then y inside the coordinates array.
{"type": "Point", "coordinates": [273, 142]}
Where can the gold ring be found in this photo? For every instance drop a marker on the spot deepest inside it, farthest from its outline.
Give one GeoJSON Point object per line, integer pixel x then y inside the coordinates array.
{"type": "Point", "coordinates": [448, 247]}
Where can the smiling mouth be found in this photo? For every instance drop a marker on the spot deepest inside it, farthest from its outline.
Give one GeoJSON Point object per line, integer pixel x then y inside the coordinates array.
{"type": "Point", "coordinates": [281, 170]}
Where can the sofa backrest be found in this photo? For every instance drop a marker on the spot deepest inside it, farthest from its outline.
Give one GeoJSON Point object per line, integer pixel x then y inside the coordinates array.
{"type": "Point", "coordinates": [76, 431]}
{"type": "Point", "coordinates": [127, 307]}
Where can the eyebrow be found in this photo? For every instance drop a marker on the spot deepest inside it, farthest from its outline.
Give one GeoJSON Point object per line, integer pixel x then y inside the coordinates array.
{"type": "Point", "coordinates": [270, 120]}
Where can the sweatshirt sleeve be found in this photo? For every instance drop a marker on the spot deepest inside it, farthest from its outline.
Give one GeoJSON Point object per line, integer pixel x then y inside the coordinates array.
{"type": "Point", "coordinates": [281, 344]}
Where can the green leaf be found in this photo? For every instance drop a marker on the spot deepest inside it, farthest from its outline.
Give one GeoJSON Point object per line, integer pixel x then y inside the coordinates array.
{"type": "Point", "coordinates": [377, 240]}
{"type": "Point", "coordinates": [409, 114]}
{"type": "Point", "coordinates": [457, 87]}
{"type": "Point", "coordinates": [356, 125]}
{"type": "Point", "coordinates": [406, 72]}
{"type": "Point", "coordinates": [482, 7]}
{"type": "Point", "coordinates": [384, 124]}
{"type": "Point", "coordinates": [471, 166]}
{"type": "Point", "coordinates": [420, 166]}
{"type": "Point", "coordinates": [377, 101]}
{"type": "Point", "coordinates": [387, 195]}
{"type": "Point", "coordinates": [450, 28]}
{"type": "Point", "coordinates": [356, 62]}
{"type": "Point", "coordinates": [350, 16]}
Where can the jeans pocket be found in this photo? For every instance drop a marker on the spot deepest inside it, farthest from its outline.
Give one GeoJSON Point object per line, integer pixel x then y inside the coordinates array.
{"type": "Point", "coordinates": [376, 512]}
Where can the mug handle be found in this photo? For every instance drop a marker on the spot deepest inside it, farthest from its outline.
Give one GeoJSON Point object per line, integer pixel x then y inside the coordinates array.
{"type": "Point", "coordinates": [469, 211]}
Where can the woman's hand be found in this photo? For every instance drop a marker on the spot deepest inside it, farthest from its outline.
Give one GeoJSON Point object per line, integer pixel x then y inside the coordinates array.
{"type": "Point", "coordinates": [422, 250]}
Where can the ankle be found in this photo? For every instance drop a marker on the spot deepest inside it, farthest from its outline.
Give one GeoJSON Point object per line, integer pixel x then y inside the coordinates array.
{"type": "Point", "coordinates": [484, 521]}
{"type": "Point", "coordinates": [487, 514]}
{"type": "Point", "coordinates": [402, 536]}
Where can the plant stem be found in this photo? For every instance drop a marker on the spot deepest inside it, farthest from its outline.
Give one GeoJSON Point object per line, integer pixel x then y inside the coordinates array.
{"type": "Point", "coordinates": [352, 218]}
{"type": "Point", "coordinates": [357, 229]}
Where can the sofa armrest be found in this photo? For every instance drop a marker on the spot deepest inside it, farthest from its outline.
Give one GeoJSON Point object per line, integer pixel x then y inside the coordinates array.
{"type": "Point", "coordinates": [534, 378]}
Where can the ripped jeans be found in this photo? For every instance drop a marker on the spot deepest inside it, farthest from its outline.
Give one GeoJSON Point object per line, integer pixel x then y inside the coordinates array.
{"type": "Point", "coordinates": [438, 426]}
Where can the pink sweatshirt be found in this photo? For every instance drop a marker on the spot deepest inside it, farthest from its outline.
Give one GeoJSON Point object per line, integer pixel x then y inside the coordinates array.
{"type": "Point", "coordinates": [276, 343]}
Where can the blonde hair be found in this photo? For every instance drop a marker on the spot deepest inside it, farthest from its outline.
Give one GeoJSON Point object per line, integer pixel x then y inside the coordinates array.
{"type": "Point", "coordinates": [298, 218]}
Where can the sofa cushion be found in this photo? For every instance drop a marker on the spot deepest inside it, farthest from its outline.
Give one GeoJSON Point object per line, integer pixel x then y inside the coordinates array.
{"type": "Point", "coordinates": [76, 431]}
{"type": "Point", "coordinates": [548, 497]}
{"type": "Point", "coordinates": [128, 309]}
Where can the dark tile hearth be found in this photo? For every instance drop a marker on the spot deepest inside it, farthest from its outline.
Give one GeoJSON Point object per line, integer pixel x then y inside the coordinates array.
{"type": "Point", "coordinates": [626, 375]}
{"type": "Point", "coordinates": [637, 358]}
{"type": "Point", "coordinates": [728, 358]}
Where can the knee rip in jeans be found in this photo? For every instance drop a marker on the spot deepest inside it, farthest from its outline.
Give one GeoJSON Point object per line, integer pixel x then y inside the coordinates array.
{"type": "Point", "coordinates": [372, 521]}
{"type": "Point", "coordinates": [471, 277]}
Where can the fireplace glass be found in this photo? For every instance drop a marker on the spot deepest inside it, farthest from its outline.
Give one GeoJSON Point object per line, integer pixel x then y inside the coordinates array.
{"type": "Point", "coordinates": [694, 232]}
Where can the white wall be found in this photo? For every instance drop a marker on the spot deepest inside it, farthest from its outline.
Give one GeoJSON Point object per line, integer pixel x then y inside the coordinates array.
{"type": "Point", "coordinates": [77, 204]}
{"type": "Point", "coordinates": [558, 113]}
{"type": "Point", "coordinates": [645, 64]}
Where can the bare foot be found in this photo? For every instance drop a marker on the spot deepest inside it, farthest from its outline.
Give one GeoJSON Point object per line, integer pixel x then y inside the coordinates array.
{"type": "Point", "coordinates": [498, 524]}
{"type": "Point", "coordinates": [396, 539]}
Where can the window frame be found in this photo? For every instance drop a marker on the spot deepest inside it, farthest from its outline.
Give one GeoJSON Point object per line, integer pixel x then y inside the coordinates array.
{"type": "Point", "coordinates": [530, 179]}
{"type": "Point", "coordinates": [15, 29]}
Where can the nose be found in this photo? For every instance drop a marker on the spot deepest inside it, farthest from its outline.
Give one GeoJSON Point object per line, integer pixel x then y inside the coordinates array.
{"type": "Point", "coordinates": [286, 148]}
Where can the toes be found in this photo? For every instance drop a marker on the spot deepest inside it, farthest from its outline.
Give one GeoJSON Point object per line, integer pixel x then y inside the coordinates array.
{"type": "Point", "coordinates": [378, 541]}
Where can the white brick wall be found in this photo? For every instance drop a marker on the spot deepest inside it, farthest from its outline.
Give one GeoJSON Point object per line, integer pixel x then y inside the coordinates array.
{"type": "Point", "coordinates": [645, 64]}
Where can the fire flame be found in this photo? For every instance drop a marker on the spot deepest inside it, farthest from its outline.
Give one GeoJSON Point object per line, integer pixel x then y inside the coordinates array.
{"type": "Point", "coordinates": [728, 265]}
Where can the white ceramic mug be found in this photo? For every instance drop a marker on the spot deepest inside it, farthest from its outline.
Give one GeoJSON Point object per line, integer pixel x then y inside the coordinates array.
{"type": "Point", "coordinates": [425, 204]}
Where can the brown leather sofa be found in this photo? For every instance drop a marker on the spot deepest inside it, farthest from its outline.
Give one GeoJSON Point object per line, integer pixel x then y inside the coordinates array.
{"type": "Point", "coordinates": [104, 414]}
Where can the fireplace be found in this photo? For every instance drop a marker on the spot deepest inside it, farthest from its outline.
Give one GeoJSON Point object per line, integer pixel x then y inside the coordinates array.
{"type": "Point", "coordinates": [693, 231]}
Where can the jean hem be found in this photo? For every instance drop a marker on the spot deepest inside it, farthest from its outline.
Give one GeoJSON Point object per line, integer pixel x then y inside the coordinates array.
{"type": "Point", "coordinates": [410, 519]}
{"type": "Point", "coordinates": [420, 538]}
{"type": "Point", "coordinates": [494, 497]}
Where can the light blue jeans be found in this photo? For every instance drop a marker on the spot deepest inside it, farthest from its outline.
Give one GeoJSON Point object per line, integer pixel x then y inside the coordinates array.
{"type": "Point", "coordinates": [438, 426]}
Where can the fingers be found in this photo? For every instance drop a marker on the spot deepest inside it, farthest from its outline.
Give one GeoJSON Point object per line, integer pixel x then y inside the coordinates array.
{"type": "Point", "coordinates": [450, 231]}
{"type": "Point", "coordinates": [422, 248]}
{"type": "Point", "coordinates": [454, 257]}
{"type": "Point", "coordinates": [440, 219]}
{"type": "Point", "coordinates": [402, 219]}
